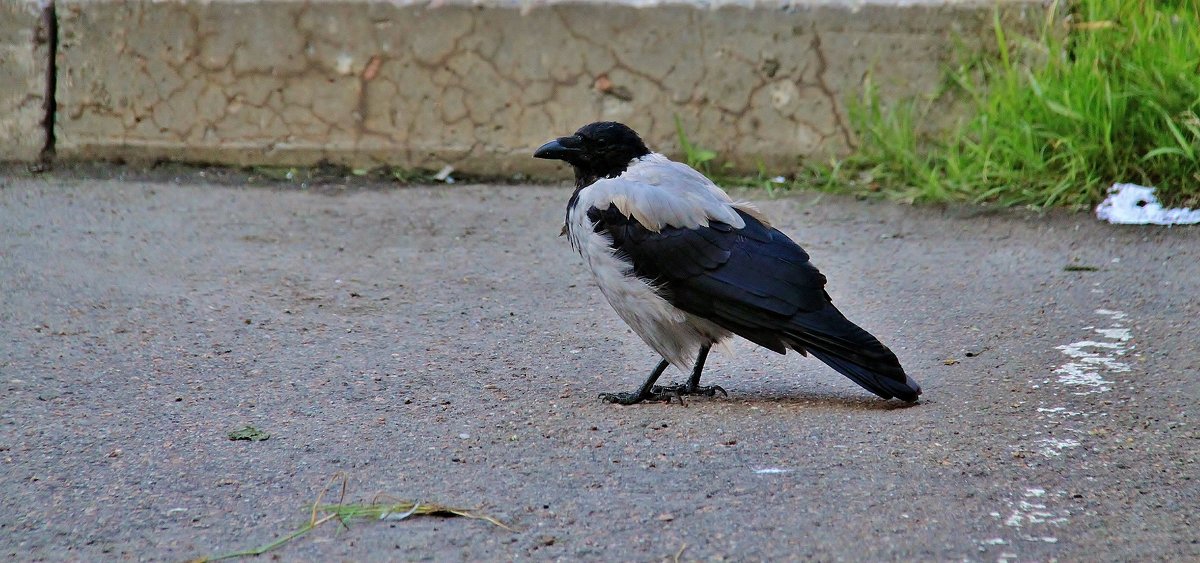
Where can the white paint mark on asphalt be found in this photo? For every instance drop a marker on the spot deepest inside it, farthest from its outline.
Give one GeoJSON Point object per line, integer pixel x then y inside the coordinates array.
{"type": "Point", "coordinates": [771, 471]}
{"type": "Point", "coordinates": [1060, 412]}
{"type": "Point", "coordinates": [1045, 539]}
{"type": "Point", "coordinates": [1079, 349]}
{"type": "Point", "coordinates": [1090, 364]}
{"type": "Point", "coordinates": [1053, 447]}
{"type": "Point", "coordinates": [1093, 359]}
{"type": "Point", "coordinates": [1121, 334]}
{"type": "Point", "coordinates": [1028, 513]}
{"type": "Point", "coordinates": [1079, 374]}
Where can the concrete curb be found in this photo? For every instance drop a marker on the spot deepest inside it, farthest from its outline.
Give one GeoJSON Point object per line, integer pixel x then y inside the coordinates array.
{"type": "Point", "coordinates": [25, 31]}
{"type": "Point", "coordinates": [478, 85]}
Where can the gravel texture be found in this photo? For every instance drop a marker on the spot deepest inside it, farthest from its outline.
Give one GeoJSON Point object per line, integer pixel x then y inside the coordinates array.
{"type": "Point", "coordinates": [444, 344]}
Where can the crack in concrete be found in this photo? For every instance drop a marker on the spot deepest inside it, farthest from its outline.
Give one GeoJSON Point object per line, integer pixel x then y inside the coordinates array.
{"type": "Point", "coordinates": [50, 25]}
{"type": "Point", "coordinates": [421, 86]}
{"type": "Point", "coordinates": [822, 68]}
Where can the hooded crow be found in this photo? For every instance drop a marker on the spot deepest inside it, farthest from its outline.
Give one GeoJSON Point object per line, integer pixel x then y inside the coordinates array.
{"type": "Point", "coordinates": [686, 267]}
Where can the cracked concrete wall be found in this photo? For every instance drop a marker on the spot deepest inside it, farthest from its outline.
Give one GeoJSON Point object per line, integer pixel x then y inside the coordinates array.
{"type": "Point", "coordinates": [24, 72]}
{"type": "Point", "coordinates": [478, 86]}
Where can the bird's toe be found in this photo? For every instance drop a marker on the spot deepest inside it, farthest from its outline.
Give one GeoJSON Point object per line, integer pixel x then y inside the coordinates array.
{"type": "Point", "coordinates": [680, 389]}
{"type": "Point", "coordinates": [710, 391]}
{"type": "Point", "coordinates": [634, 398]}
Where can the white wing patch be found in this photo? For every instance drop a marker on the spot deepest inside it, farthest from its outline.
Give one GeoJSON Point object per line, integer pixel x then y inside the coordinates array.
{"type": "Point", "coordinates": [674, 334]}
{"type": "Point", "coordinates": [660, 193]}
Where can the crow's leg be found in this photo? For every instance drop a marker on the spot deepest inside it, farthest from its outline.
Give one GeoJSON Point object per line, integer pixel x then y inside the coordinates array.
{"type": "Point", "coordinates": [648, 392]}
{"type": "Point", "coordinates": [692, 387]}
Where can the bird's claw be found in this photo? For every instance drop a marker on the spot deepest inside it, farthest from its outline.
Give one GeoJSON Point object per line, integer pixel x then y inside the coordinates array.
{"type": "Point", "coordinates": [680, 389]}
{"type": "Point", "coordinates": [634, 398]}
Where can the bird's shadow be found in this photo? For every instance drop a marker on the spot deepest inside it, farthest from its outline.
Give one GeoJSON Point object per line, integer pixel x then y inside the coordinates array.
{"type": "Point", "coordinates": [814, 399]}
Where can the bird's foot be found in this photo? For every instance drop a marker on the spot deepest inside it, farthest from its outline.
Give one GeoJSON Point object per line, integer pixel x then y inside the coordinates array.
{"type": "Point", "coordinates": [655, 395]}
{"type": "Point", "coordinates": [681, 389]}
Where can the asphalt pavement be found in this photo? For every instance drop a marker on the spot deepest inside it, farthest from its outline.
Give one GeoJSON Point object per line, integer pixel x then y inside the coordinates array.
{"type": "Point", "coordinates": [444, 344]}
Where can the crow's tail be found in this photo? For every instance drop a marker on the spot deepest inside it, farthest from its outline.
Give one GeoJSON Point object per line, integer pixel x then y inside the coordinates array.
{"type": "Point", "coordinates": [885, 386]}
{"type": "Point", "coordinates": [853, 352]}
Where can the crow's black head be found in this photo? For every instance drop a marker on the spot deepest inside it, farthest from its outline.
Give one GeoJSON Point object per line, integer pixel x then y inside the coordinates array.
{"type": "Point", "coordinates": [598, 150]}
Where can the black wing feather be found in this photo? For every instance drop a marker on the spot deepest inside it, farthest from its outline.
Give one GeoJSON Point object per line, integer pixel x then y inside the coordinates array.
{"type": "Point", "coordinates": [759, 284]}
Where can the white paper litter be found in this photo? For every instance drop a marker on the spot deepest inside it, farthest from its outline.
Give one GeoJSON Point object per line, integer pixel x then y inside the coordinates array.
{"type": "Point", "coordinates": [1131, 204]}
{"type": "Point", "coordinates": [443, 175]}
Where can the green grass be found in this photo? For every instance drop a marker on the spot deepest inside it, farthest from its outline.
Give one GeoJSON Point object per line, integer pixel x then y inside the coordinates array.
{"type": "Point", "coordinates": [1111, 95]}
{"type": "Point", "coordinates": [694, 156]}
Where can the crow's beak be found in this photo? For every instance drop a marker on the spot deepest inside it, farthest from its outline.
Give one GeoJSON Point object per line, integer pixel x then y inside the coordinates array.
{"type": "Point", "coordinates": [562, 148]}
